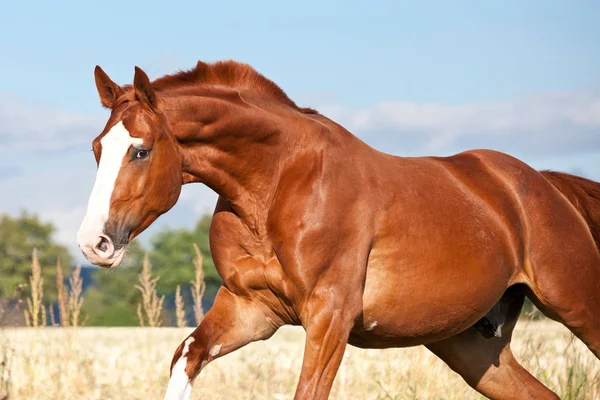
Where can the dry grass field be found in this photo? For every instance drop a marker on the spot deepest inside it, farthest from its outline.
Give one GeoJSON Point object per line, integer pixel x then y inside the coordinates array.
{"type": "Point", "coordinates": [132, 363]}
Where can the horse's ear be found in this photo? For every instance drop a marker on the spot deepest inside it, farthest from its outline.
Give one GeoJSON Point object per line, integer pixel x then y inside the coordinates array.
{"type": "Point", "coordinates": [107, 89]}
{"type": "Point", "coordinates": [144, 92]}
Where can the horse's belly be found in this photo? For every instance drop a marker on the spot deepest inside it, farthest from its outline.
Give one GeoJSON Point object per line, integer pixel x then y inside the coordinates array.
{"type": "Point", "coordinates": [420, 291]}
{"type": "Point", "coordinates": [408, 315]}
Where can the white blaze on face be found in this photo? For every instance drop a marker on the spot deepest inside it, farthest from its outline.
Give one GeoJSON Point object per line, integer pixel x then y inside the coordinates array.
{"type": "Point", "coordinates": [114, 147]}
{"type": "Point", "coordinates": [180, 385]}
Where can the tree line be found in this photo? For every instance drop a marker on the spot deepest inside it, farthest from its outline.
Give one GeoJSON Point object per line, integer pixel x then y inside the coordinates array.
{"type": "Point", "coordinates": [111, 296]}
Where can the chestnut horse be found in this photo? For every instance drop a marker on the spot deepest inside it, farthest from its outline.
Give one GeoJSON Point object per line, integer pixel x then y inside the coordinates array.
{"type": "Point", "coordinates": [315, 228]}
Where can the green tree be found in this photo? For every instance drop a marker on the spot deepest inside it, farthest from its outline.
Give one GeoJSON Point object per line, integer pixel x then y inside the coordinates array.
{"type": "Point", "coordinates": [172, 256]}
{"type": "Point", "coordinates": [18, 237]}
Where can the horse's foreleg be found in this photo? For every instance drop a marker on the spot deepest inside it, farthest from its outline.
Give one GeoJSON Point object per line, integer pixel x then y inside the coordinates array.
{"type": "Point", "coordinates": [231, 323]}
{"type": "Point", "coordinates": [327, 329]}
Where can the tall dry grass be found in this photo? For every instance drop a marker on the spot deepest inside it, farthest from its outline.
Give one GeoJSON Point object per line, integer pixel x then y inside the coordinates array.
{"type": "Point", "coordinates": [35, 314]}
{"type": "Point", "coordinates": [198, 286]}
{"type": "Point", "coordinates": [179, 309]}
{"type": "Point", "coordinates": [7, 313]}
{"type": "Point", "coordinates": [75, 297]}
{"type": "Point", "coordinates": [5, 356]}
{"type": "Point", "coordinates": [150, 308]}
{"type": "Point", "coordinates": [133, 363]}
{"type": "Point", "coordinates": [70, 302]}
{"type": "Point", "coordinates": [62, 294]}
{"type": "Point", "coordinates": [6, 353]}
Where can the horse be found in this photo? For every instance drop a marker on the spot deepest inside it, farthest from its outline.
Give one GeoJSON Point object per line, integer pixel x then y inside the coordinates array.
{"type": "Point", "coordinates": [313, 227]}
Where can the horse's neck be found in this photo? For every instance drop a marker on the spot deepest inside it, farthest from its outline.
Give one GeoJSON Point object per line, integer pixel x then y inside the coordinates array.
{"type": "Point", "coordinates": [236, 150]}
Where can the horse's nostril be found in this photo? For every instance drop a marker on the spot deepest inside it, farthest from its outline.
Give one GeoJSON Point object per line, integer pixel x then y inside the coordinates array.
{"type": "Point", "coordinates": [102, 244]}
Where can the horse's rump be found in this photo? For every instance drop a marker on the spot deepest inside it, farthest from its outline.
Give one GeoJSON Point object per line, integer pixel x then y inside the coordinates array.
{"type": "Point", "coordinates": [584, 194]}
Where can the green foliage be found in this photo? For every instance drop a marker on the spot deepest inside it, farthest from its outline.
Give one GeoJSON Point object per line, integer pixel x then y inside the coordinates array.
{"type": "Point", "coordinates": [18, 237]}
{"type": "Point", "coordinates": [172, 256]}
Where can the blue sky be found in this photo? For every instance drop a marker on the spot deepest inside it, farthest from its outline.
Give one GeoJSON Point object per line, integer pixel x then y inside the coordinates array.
{"type": "Point", "coordinates": [410, 78]}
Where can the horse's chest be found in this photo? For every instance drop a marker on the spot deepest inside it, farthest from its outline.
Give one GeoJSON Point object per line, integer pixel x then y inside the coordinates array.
{"type": "Point", "coordinates": [241, 266]}
{"type": "Point", "coordinates": [247, 262]}
{"type": "Point", "coordinates": [249, 267]}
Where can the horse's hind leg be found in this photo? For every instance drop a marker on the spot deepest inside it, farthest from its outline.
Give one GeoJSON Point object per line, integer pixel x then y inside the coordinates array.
{"type": "Point", "coordinates": [565, 286]}
{"type": "Point", "coordinates": [573, 301]}
{"type": "Point", "coordinates": [487, 364]}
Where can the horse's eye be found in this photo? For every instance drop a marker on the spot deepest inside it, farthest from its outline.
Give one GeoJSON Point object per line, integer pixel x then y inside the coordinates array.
{"type": "Point", "coordinates": [142, 153]}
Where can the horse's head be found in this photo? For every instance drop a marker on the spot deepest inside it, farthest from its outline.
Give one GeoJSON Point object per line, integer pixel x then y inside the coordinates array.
{"type": "Point", "coordinates": [139, 173]}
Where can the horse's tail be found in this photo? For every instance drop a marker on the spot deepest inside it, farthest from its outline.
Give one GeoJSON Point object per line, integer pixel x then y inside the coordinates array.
{"type": "Point", "coordinates": [584, 194]}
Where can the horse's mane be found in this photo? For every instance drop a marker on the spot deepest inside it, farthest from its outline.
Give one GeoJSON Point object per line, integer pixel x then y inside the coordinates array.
{"type": "Point", "coordinates": [227, 73]}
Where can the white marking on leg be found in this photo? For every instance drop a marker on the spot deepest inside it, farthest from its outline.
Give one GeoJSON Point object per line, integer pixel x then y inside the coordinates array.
{"type": "Point", "coordinates": [115, 145]}
{"type": "Point", "coordinates": [215, 350]}
{"type": "Point", "coordinates": [186, 346]}
{"type": "Point", "coordinates": [372, 325]}
{"type": "Point", "coordinates": [180, 385]}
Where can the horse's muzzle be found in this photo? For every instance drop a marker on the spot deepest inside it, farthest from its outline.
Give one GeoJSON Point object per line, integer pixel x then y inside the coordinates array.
{"type": "Point", "coordinates": [100, 250]}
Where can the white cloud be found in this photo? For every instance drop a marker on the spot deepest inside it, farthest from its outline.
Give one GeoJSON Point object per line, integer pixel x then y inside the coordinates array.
{"type": "Point", "coordinates": [29, 129]}
{"type": "Point", "coordinates": [535, 125]}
